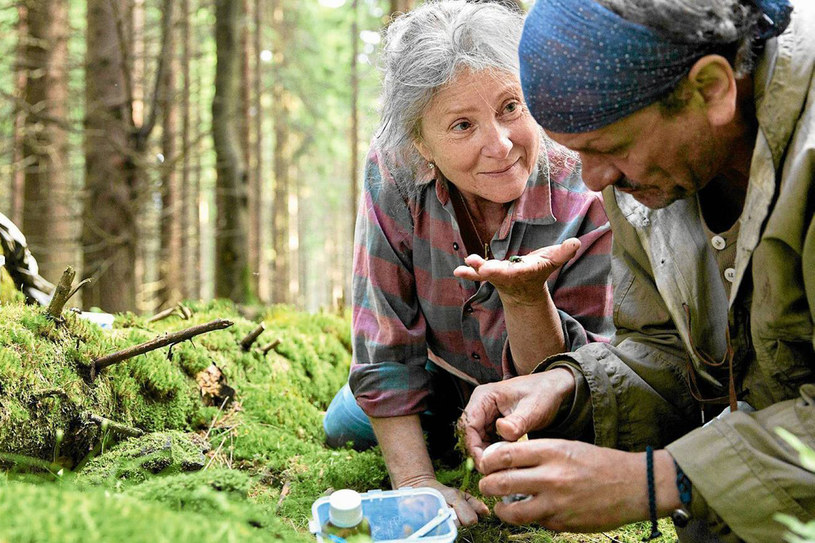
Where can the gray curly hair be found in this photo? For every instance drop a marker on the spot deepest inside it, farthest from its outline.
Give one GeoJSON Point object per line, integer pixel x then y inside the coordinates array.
{"type": "Point", "coordinates": [424, 50]}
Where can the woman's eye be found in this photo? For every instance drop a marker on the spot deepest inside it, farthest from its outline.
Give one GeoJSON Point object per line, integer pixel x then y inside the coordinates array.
{"type": "Point", "coordinates": [512, 107]}
{"type": "Point", "coordinates": [462, 126]}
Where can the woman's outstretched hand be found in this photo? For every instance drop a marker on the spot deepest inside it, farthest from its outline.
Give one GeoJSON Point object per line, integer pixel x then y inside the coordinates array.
{"type": "Point", "coordinates": [520, 280]}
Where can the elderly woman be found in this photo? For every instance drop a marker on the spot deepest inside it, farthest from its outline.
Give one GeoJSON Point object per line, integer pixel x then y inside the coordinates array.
{"type": "Point", "coordinates": [459, 168]}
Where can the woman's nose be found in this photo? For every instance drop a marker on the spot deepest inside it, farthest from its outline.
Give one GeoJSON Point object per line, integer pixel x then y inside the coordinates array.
{"type": "Point", "coordinates": [599, 173]}
{"type": "Point", "coordinates": [497, 142]}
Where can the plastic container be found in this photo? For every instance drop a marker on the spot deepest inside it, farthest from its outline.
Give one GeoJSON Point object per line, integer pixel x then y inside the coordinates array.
{"type": "Point", "coordinates": [345, 518]}
{"type": "Point", "coordinates": [104, 320]}
{"type": "Point", "coordinates": [398, 516]}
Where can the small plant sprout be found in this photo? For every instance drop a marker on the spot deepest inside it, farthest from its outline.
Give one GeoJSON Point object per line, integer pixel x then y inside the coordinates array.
{"type": "Point", "coordinates": [515, 258]}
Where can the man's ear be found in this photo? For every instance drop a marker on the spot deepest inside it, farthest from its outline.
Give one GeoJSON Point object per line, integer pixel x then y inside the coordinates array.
{"type": "Point", "coordinates": [713, 78]}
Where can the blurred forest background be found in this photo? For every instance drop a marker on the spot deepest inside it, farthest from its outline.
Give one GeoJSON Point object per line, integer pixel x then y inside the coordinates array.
{"type": "Point", "coordinates": [185, 149]}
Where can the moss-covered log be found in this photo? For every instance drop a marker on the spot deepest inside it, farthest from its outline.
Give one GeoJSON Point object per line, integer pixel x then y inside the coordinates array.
{"type": "Point", "coordinates": [243, 470]}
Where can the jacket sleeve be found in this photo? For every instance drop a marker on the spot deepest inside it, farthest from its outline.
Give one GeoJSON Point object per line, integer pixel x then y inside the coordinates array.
{"type": "Point", "coordinates": [388, 375]}
{"type": "Point", "coordinates": [635, 385]}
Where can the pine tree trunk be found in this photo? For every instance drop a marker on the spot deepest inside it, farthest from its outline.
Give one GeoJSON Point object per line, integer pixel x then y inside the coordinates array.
{"type": "Point", "coordinates": [258, 179]}
{"type": "Point", "coordinates": [231, 267]}
{"type": "Point", "coordinates": [354, 151]}
{"type": "Point", "coordinates": [15, 209]}
{"type": "Point", "coordinates": [245, 128]}
{"type": "Point", "coordinates": [280, 208]}
{"type": "Point", "coordinates": [401, 6]}
{"type": "Point", "coordinates": [189, 211]}
{"type": "Point", "coordinates": [47, 217]}
{"type": "Point", "coordinates": [170, 264]}
{"type": "Point", "coordinates": [110, 230]}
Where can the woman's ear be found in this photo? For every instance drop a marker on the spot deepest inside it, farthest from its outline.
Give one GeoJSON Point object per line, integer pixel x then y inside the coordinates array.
{"type": "Point", "coordinates": [423, 150]}
{"type": "Point", "coordinates": [713, 78]}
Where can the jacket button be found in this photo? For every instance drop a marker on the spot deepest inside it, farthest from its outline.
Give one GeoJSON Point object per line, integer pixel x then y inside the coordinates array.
{"type": "Point", "coordinates": [455, 246]}
{"type": "Point", "coordinates": [469, 309]}
{"type": "Point", "coordinates": [476, 356]}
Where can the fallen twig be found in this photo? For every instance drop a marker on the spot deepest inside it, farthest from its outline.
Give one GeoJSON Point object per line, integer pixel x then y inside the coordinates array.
{"type": "Point", "coordinates": [157, 343]}
{"type": "Point", "coordinates": [179, 309]}
{"type": "Point", "coordinates": [117, 427]}
{"type": "Point", "coordinates": [252, 336]}
{"type": "Point", "coordinates": [265, 349]}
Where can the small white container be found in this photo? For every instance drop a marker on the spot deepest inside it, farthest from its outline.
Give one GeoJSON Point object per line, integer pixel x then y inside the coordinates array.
{"type": "Point", "coordinates": [104, 320]}
{"type": "Point", "coordinates": [398, 516]}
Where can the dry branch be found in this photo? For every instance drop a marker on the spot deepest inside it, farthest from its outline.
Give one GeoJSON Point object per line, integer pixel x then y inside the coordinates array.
{"type": "Point", "coordinates": [252, 336]}
{"type": "Point", "coordinates": [162, 315]}
{"type": "Point", "coordinates": [266, 348]}
{"type": "Point", "coordinates": [117, 427]}
{"type": "Point", "coordinates": [158, 343]}
{"type": "Point", "coordinates": [61, 293]}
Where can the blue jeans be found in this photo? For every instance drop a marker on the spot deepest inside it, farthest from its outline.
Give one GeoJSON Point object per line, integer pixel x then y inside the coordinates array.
{"type": "Point", "coordinates": [345, 422]}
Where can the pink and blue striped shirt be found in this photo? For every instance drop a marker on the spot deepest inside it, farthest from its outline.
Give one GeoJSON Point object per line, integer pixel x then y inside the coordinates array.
{"type": "Point", "coordinates": [409, 308]}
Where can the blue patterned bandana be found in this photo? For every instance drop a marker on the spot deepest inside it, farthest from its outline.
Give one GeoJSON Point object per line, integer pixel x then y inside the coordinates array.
{"type": "Point", "coordinates": [584, 67]}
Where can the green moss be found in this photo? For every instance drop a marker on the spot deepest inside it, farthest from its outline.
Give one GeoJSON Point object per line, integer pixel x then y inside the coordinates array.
{"type": "Point", "coordinates": [136, 459]}
{"type": "Point", "coordinates": [139, 490]}
{"type": "Point", "coordinates": [52, 512]}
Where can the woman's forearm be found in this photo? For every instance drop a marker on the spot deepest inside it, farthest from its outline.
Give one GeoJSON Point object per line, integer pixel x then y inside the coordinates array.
{"type": "Point", "coordinates": [403, 447]}
{"type": "Point", "coordinates": [534, 331]}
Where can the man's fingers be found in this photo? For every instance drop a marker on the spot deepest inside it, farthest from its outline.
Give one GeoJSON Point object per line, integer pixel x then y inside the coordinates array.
{"type": "Point", "coordinates": [511, 427]}
{"type": "Point", "coordinates": [523, 454]}
{"type": "Point", "coordinates": [522, 512]}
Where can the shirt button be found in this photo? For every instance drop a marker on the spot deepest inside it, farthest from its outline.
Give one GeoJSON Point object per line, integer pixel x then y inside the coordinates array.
{"type": "Point", "coordinates": [718, 242]}
{"type": "Point", "coordinates": [455, 246]}
{"type": "Point", "coordinates": [730, 274]}
{"type": "Point", "coordinates": [476, 356]}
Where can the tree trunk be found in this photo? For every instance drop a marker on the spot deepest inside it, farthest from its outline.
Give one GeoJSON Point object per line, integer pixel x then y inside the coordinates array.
{"type": "Point", "coordinates": [280, 208]}
{"type": "Point", "coordinates": [15, 209]}
{"type": "Point", "coordinates": [47, 215]}
{"type": "Point", "coordinates": [110, 231]}
{"type": "Point", "coordinates": [354, 151]}
{"type": "Point", "coordinates": [401, 6]}
{"type": "Point", "coordinates": [189, 211]}
{"type": "Point", "coordinates": [245, 127]}
{"type": "Point", "coordinates": [258, 263]}
{"type": "Point", "coordinates": [231, 267]}
{"type": "Point", "coordinates": [170, 263]}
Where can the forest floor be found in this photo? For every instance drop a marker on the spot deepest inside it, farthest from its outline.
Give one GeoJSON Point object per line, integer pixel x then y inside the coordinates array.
{"type": "Point", "coordinates": [201, 441]}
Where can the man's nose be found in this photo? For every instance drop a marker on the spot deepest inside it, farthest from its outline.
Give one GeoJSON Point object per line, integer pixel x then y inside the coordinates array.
{"type": "Point", "coordinates": [599, 173]}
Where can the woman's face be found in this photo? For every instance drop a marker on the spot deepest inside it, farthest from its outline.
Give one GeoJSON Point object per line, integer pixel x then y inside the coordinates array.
{"type": "Point", "coordinates": [480, 136]}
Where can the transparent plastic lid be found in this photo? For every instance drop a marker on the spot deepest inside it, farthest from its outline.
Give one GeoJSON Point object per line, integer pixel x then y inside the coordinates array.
{"type": "Point", "coordinates": [404, 515]}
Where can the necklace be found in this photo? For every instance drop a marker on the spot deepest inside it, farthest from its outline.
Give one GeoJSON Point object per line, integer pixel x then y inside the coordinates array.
{"type": "Point", "coordinates": [472, 223]}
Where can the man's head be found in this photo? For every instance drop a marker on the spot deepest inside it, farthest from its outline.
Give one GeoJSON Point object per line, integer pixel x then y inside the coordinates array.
{"type": "Point", "coordinates": [650, 92]}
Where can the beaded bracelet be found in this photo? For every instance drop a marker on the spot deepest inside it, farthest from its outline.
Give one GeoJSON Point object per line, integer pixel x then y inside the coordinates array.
{"type": "Point", "coordinates": [652, 499]}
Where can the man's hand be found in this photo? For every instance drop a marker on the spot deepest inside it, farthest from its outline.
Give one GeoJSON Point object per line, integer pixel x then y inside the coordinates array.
{"type": "Point", "coordinates": [575, 486]}
{"type": "Point", "coordinates": [513, 407]}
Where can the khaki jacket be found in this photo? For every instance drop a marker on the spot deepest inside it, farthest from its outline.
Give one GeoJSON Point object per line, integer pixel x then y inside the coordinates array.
{"type": "Point", "coordinates": [635, 391]}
